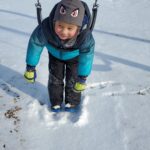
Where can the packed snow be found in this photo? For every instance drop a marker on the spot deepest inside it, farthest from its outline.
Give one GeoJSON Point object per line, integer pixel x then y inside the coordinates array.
{"type": "Point", "coordinates": [115, 110]}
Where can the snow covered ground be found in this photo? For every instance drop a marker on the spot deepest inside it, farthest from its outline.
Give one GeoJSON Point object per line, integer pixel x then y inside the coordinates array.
{"type": "Point", "coordinates": [115, 112]}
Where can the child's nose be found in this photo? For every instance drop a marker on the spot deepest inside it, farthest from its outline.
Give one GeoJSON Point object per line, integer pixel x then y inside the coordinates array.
{"type": "Point", "coordinates": [64, 31]}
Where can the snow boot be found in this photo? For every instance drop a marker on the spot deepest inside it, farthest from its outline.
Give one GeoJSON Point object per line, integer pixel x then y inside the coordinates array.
{"type": "Point", "coordinates": [56, 108]}
{"type": "Point", "coordinates": [72, 108]}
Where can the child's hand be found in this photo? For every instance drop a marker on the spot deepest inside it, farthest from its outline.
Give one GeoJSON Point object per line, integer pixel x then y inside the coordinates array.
{"type": "Point", "coordinates": [80, 85]}
{"type": "Point", "coordinates": [30, 74]}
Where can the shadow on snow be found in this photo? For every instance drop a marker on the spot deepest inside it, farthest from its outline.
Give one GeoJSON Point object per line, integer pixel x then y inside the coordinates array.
{"type": "Point", "coordinates": [138, 39]}
{"type": "Point", "coordinates": [107, 59]}
{"type": "Point", "coordinates": [15, 79]}
{"type": "Point", "coordinates": [17, 13]}
{"type": "Point", "coordinates": [15, 31]}
{"type": "Point", "coordinates": [95, 30]}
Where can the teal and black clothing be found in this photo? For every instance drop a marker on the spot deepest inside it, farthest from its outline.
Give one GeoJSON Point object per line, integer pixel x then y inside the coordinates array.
{"type": "Point", "coordinates": [70, 58]}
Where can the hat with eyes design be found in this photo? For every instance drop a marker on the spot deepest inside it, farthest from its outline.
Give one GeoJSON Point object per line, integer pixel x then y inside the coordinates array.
{"type": "Point", "coordinates": [70, 11]}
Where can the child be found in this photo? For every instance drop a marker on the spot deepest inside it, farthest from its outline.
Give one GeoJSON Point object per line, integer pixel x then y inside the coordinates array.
{"type": "Point", "coordinates": [66, 35]}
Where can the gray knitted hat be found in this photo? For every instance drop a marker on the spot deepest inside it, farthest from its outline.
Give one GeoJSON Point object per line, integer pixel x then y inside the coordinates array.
{"type": "Point", "coordinates": [70, 11]}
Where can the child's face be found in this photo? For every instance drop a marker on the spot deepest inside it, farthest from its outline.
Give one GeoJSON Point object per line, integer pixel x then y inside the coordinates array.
{"type": "Point", "coordinates": [65, 31]}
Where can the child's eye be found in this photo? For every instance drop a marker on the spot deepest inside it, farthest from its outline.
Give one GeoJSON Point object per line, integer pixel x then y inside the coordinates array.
{"type": "Point", "coordinates": [59, 25]}
{"type": "Point", "coordinates": [70, 29]}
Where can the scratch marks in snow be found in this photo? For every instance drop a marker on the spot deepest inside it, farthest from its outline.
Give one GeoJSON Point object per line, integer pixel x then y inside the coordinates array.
{"type": "Point", "coordinates": [112, 88]}
{"type": "Point", "coordinates": [5, 87]}
{"type": "Point", "coordinates": [121, 118]}
{"type": "Point", "coordinates": [101, 85]}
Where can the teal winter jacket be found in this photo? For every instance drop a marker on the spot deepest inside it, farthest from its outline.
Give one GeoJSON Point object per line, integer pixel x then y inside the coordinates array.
{"type": "Point", "coordinates": [44, 36]}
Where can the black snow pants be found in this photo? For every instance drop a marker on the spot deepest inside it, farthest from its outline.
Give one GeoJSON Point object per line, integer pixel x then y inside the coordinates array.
{"type": "Point", "coordinates": [62, 77]}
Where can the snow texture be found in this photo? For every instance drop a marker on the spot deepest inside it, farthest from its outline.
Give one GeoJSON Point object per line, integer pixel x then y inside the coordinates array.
{"type": "Point", "coordinates": [115, 110]}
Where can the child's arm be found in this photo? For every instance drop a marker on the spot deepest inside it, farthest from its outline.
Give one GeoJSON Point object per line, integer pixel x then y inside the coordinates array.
{"type": "Point", "coordinates": [35, 47]}
{"type": "Point", "coordinates": [85, 63]}
{"type": "Point", "coordinates": [86, 56]}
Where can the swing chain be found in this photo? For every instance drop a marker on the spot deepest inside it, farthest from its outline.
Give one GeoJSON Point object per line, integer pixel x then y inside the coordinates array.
{"type": "Point", "coordinates": [38, 4]}
{"type": "Point", "coordinates": [95, 5]}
